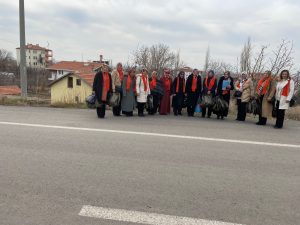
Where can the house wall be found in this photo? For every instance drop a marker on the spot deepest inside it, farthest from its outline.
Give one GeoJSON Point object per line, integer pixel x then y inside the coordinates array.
{"type": "Point", "coordinates": [60, 93]}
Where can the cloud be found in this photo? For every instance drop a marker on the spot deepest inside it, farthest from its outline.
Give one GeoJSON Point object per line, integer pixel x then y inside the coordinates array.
{"type": "Point", "coordinates": [116, 27]}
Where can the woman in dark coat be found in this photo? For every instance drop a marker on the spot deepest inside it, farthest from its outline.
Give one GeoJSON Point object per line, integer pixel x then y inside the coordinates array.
{"type": "Point", "coordinates": [156, 92]}
{"type": "Point", "coordinates": [128, 87]}
{"type": "Point", "coordinates": [193, 90]}
{"type": "Point", "coordinates": [225, 85]}
{"type": "Point", "coordinates": [102, 87]}
{"type": "Point", "coordinates": [178, 91]}
{"type": "Point", "coordinates": [209, 88]}
{"type": "Point", "coordinates": [165, 103]}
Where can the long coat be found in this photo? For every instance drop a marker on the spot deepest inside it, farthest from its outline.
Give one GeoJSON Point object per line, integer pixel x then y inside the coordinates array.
{"type": "Point", "coordinates": [98, 87]}
{"type": "Point", "coordinates": [178, 97]}
{"type": "Point", "coordinates": [267, 106]}
{"type": "Point", "coordinates": [128, 101]}
{"type": "Point", "coordinates": [141, 93]}
{"type": "Point", "coordinates": [282, 99]}
{"type": "Point", "coordinates": [247, 90]}
{"type": "Point", "coordinates": [192, 97]}
{"type": "Point", "coordinates": [165, 102]}
{"type": "Point", "coordinates": [116, 80]}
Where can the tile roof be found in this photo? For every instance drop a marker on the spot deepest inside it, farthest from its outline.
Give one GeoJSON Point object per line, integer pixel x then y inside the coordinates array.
{"type": "Point", "coordinates": [81, 67]}
{"type": "Point", "coordinates": [89, 78]}
{"type": "Point", "coordinates": [10, 90]}
{"type": "Point", "coordinates": [34, 47]}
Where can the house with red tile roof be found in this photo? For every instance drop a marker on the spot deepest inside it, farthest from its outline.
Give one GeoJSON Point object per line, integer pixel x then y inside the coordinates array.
{"type": "Point", "coordinates": [72, 88]}
{"type": "Point", "coordinates": [62, 68]}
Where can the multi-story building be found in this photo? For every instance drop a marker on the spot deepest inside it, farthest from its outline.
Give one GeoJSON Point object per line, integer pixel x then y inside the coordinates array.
{"type": "Point", "coordinates": [36, 56]}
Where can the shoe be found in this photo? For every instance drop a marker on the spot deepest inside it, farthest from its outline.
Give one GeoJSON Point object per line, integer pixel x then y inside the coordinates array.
{"type": "Point", "coordinates": [180, 114]}
{"type": "Point", "coordinates": [218, 117]}
{"type": "Point", "coordinates": [208, 117]}
{"type": "Point", "coordinates": [222, 118]}
{"type": "Point", "coordinates": [141, 115]}
{"type": "Point", "coordinates": [259, 124]}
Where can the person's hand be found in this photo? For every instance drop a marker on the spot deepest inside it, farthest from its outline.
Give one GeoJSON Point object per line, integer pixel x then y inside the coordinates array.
{"type": "Point", "coordinates": [228, 87]}
{"type": "Point", "coordinates": [93, 92]}
{"type": "Point", "coordinates": [137, 94]}
{"type": "Point", "coordinates": [287, 101]}
{"type": "Point", "coordinates": [208, 92]}
{"type": "Point", "coordinates": [269, 99]}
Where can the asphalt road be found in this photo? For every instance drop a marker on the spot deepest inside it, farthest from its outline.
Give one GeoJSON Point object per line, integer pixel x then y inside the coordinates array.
{"type": "Point", "coordinates": [48, 173]}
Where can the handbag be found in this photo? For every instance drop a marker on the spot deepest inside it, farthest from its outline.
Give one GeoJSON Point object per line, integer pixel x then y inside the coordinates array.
{"type": "Point", "coordinates": [293, 101]}
{"type": "Point", "coordinates": [207, 101]}
{"type": "Point", "coordinates": [91, 101]}
{"type": "Point", "coordinates": [198, 109]}
{"type": "Point", "coordinates": [114, 99]}
{"type": "Point", "coordinates": [150, 104]}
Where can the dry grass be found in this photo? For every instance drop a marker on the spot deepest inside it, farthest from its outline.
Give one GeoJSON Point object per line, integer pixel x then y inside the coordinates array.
{"type": "Point", "coordinates": [293, 113]}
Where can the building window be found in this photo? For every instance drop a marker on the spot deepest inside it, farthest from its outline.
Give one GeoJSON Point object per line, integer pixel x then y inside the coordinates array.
{"type": "Point", "coordinates": [78, 82]}
{"type": "Point", "coordinates": [76, 99]}
{"type": "Point", "coordinates": [70, 82]}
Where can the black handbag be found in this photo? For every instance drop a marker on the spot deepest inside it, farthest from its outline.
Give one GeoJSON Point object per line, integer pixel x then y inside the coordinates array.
{"type": "Point", "coordinates": [91, 101]}
{"type": "Point", "coordinates": [293, 101]}
{"type": "Point", "coordinates": [150, 105]}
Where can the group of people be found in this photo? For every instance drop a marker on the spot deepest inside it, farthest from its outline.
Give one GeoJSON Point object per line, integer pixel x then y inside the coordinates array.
{"type": "Point", "coordinates": [136, 89]}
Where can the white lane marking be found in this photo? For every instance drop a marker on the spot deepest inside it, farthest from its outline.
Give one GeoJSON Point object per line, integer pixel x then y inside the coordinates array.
{"type": "Point", "coordinates": [143, 217]}
{"type": "Point", "coordinates": [155, 134]}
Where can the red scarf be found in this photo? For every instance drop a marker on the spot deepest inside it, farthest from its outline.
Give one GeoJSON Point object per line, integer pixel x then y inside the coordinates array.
{"type": "Point", "coordinates": [211, 83]}
{"type": "Point", "coordinates": [153, 84]}
{"type": "Point", "coordinates": [177, 85]}
{"type": "Point", "coordinates": [128, 83]}
{"type": "Point", "coordinates": [262, 86]}
{"type": "Point", "coordinates": [194, 83]}
{"type": "Point", "coordinates": [144, 78]}
{"type": "Point", "coordinates": [286, 89]}
{"type": "Point", "coordinates": [167, 83]}
{"type": "Point", "coordinates": [121, 73]}
{"type": "Point", "coordinates": [106, 81]}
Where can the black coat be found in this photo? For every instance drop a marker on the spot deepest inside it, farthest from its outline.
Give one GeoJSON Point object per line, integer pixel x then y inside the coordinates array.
{"type": "Point", "coordinates": [188, 86]}
{"type": "Point", "coordinates": [174, 86]}
{"type": "Point", "coordinates": [158, 90]}
{"type": "Point", "coordinates": [205, 89]}
{"type": "Point", "coordinates": [98, 86]}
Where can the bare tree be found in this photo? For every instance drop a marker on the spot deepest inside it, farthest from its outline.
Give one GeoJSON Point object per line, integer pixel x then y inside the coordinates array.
{"type": "Point", "coordinates": [7, 62]}
{"type": "Point", "coordinates": [219, 66]}
{"type": "Point", "coordinates": [282, 57]}
{"type": "Point", "coordinates": [207, 59]}
{"type": "Point", "coordinates": [157, 57]}
{"type": "Point", "coordinates": [259, 61]}
{"type": "Point", "coordinates": [245, 60]}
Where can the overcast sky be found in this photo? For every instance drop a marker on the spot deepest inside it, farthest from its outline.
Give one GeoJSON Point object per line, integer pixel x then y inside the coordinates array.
{"type": "Point", "coordinates": [116, 27]}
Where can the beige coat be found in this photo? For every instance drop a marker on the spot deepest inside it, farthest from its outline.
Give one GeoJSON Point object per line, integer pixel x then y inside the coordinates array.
{"type": "Point", "coordinates": [115, 78]}
{"type": "Point", "coordinates": [247, 90]}
{"type": "Point", "coordinates": [267, 107]}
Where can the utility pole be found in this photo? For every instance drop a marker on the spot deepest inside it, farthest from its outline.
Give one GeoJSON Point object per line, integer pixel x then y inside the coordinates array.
{"type": "Point", "coordinates": [23, 71]}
